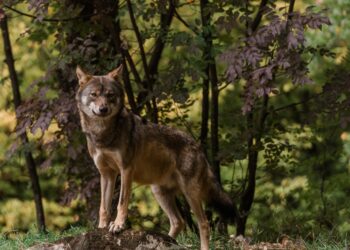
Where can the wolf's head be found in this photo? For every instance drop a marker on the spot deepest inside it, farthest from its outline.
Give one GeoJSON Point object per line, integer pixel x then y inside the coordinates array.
{"type": "Point", "coordinates": [100, 96]}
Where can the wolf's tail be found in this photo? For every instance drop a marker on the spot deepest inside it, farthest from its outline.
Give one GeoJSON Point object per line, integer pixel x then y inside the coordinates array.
{"type": "Point", "coordinates": [221, 201]}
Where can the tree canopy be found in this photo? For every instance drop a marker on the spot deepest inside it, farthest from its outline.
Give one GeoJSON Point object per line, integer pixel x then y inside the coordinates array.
{"type": "Point", "coordinates": [263, 86]}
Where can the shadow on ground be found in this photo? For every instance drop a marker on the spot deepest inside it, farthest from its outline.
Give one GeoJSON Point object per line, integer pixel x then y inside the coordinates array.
{"type": "Point", "coordinates": [101, 239]}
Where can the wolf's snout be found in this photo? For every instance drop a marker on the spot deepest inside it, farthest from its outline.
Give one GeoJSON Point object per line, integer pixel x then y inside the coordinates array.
{"type": "Point", "coordinates": [103, 110]}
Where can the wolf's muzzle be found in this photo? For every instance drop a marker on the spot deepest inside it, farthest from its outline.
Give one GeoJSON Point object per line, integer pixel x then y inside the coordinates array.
{"type": "Point", "coordinates": [103, 110]}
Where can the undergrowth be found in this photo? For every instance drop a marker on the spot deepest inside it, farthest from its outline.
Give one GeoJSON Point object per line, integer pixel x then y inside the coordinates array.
{"type": "Point", "coordinates": [14, 240]}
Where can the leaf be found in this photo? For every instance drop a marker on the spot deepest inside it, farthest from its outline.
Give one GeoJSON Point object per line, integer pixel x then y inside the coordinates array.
{"type": "Point", "coordinates": [292, 41]}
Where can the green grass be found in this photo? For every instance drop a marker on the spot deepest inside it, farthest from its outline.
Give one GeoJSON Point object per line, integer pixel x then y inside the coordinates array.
{"type": "Point", "coordinates": [328, 242]}
{"type": "Point", "coordinates": [188, 240]}
{"type": "Point", "coordinates": [191, 241]}
{"type": "Point", "coordinates": [322, 242]}
{"type": "Point", "coordinates": [23, 241]}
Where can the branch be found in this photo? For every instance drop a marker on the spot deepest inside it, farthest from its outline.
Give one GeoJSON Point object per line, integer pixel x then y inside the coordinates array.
{"type": "Point", "coordinates": [296, 103]}
{"type": "Point", "coordinates": [185, 23]}
{"type": "Point", "coordinates": [49, 19]}
{"type": "Point", "coordinates": [291, 8]}
{"type": "Point", "coordinates": [133, 69]}
{"type": "Point", "coordinates": [258, 16]}
{"type": "Point", "coordinates": [116, 30]}
{"type": "Point", "coordinates": [139, 40]}
{"type": "Point", "coordinates": [154, 110]}
{"type": "Point", "coordinates": [165, 21]}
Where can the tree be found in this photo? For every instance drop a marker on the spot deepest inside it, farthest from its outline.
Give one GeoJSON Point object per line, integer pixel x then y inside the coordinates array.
{"type": "Point", "coordinates": [171, 51]}
{"type": "Point", "coordinates": [24, 138]}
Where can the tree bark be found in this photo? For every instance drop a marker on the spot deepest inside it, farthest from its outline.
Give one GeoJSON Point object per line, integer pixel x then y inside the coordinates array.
{"type": "Point", "coordinates": [118, 47]}
{"type": "Point", "coordinates": [24, 138]}
{"type": "Point", "coordinates": [205, 85]}
{"type": "Point", "coordinates": [254, 138]}
{"type": "Point", "coordinates": [203, 138]}
{"type": "Point", "coordinates": [214, 118]}
{"type": "Point", "coordinates": [212, 77]}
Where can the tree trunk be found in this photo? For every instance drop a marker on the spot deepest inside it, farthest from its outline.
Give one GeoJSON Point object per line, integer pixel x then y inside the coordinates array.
{"type": "Point", "coordinates": [212, 77]}
{"type": "Point", "coordinates": [214, 118]}
{"type": "Point", "coordinates": [203, 138]}
{"type": "Point", "coordinates": [17, 102]}
{"type": "Point", "coordinates": [205, 86]}
{"type": "Point", "coordinates": [254, 138]}
{"type": "Point", "coordinates": [255, 134]}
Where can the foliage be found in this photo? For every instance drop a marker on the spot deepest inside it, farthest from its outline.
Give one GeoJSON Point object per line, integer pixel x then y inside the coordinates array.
{"type": "Point", "coordinates": [265, 57]}
{"type": "Point", "coordinates": [17, 215]}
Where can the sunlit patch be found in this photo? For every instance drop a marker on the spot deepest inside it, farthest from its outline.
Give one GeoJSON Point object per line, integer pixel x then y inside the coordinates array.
{"type": "Point", "coordinates": [344, 136]}
{"type": "Point", "coordinates": [94, 108]}
{"type": "Point", "coordinates": [84, 100]}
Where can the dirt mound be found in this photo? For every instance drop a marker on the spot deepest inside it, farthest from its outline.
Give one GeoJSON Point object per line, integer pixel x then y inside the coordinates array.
{"type": "Point", "coordinates": [101, 239]}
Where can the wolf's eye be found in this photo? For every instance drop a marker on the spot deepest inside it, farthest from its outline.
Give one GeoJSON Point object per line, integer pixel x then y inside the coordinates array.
{"type": "Point", "coordinates": [110, 96]}
{"type": "Point", "coordinates": [93, 94]}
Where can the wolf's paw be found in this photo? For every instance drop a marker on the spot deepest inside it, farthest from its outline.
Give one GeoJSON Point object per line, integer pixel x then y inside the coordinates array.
{"type": "Point", "coordinates": [116, 228]}
{"type": "Point", "coordinates": [102, 224]}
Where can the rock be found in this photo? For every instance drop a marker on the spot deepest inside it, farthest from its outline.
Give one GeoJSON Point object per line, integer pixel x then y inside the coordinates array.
{"type": "Point", "coordinates": [101, 239]}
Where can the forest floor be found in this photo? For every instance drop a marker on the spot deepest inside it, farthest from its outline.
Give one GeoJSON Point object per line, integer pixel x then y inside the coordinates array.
{"type": "Point", "coordinates": [186, 241]}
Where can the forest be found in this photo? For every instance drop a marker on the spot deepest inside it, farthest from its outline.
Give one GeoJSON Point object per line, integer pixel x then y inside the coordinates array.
{"type": "Point", "coordinates": [262, 85]}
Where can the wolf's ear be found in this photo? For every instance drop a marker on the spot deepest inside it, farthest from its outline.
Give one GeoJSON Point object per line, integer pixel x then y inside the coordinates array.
{"type": "Point", "coordinates": [82, 76]}
{"type": "Point", "coordinates": [116, 72]}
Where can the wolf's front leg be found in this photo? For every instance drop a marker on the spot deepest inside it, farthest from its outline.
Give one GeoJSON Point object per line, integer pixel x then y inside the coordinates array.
{"type": "Point", "coordinates": [124, 196]}
{"type": "Point", "coordinates": [108, 178]}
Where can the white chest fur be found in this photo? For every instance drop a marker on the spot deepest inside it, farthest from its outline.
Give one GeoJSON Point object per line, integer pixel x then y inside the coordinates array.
{"type": "Point", "coordinates": [111, 158]}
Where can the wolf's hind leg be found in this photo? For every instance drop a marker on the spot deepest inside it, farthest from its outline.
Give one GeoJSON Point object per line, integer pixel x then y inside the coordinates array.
{"type": "Point", "coordinates": [108, 178]}
{"type": "Point", "coordinates": [203, 225]}
{"type": "Point", "coordinates": [166, 199]}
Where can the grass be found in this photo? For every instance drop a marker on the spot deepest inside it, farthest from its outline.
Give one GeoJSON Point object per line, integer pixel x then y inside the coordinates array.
{"type": "Point", "coordinates": [188, 240]}
{"type": "Point", "coordinates": [328, 242]}
{"type": "Point", "coordinates": [23, 241]}
{"type": "Point", "coordinates": [322, 242]}
{"type": "Point", "coordinates": [191, 241]}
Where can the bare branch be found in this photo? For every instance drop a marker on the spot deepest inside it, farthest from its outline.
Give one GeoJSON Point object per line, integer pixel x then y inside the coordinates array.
{"type": "Point", "coordinates": [49, 19]}
{"type": "Point", "coordinates": [258, 16]}
{"type": "Point", "coordinates": [139, 40]}
{"type": "Point", "coordinates": [177, 15]}
{"type": "Point", "coordinates": [291, 105]}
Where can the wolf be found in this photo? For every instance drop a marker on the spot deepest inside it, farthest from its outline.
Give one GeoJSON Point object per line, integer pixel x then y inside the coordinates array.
{"type": "Point", "coordinates": [167, 159]}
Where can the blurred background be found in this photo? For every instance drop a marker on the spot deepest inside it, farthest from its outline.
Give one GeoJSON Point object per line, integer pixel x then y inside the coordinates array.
{"type": "Point", "coordinates": [267, 97]}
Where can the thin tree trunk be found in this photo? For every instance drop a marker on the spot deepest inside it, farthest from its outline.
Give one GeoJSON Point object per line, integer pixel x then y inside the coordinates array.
{"type": "Point", "coordinates": [212, 77]}
{"type": "Point", "coordinates": [248, 196]}
{"type": "Point", "coordinates": [165, 22]}
{"type": "Point", "coordinates": [17, 102]}
{"type": "Point", "coordinates": [115, 29]}
{"type": "Point", "coordinates": [255, 134]}
{"type": "Point", "coordinates": [206, 81]}
{"type": "Point", "coordinates": [211, 81]}
{"type": "Point", "coordinates": [154, 111]}
{"type": "Point", "coordinates": [203, 138]}
{"type": "Point", "coordinates": [254, 138]}
{"type": "Point", "coordinates": [214, 118]}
